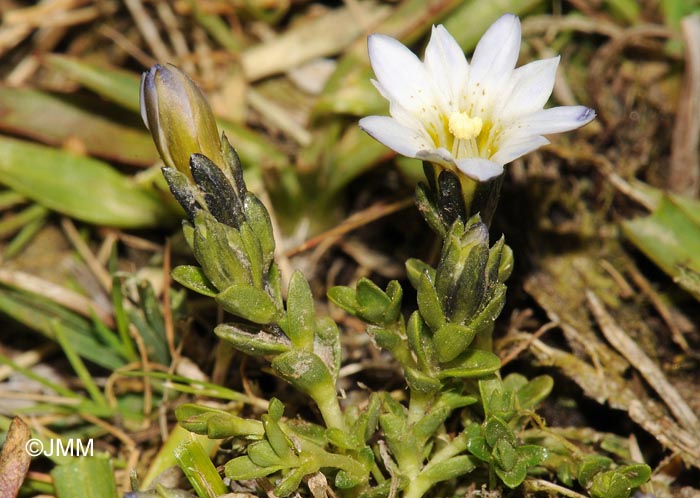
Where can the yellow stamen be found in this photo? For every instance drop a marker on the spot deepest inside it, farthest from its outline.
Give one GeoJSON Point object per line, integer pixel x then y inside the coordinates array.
{"type": "Point", "coordinates": [464, 127]}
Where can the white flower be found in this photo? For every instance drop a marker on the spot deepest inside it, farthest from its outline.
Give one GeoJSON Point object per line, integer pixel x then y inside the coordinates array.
{"type": "Point", "coordinates": [475, 117]}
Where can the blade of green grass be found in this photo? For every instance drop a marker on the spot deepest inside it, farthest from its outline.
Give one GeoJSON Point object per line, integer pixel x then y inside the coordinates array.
{"type": "Point", "coordinates": [78, 186]}
{"type": "Point", "coordinates": [85, 477]}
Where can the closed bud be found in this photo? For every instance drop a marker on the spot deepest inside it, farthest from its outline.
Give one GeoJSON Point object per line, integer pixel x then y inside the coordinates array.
{"type": "Point", "coordinates": [179, 118]}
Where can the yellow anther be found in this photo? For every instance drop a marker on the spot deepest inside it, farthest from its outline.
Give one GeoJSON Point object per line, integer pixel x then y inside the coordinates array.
{"type": "Point", "coordinates": [464, 127]}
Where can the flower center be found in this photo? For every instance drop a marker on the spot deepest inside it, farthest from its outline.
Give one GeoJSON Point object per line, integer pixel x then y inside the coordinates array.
{"type": "Point", "coordinates": [464, 127]}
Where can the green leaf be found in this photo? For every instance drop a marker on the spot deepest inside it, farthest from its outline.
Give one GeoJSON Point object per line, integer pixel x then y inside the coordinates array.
{"type": "Point", "coordinates": [513, 477]}
{"type": "Point", "coordinates": [496, 429]}
{"type": "Point", "coordinates": [535, 391]}
{"type": "Point", "coordinates": [263, 454]}
{"type": "Point", "coordinates": [78, 186]}
{"type": "Point", "coordinates": [253, 343]}
{"type": "Point", "coordinates": [504, 454]}
{"type": "Point", "coordinates": [193, 278]}
{"type": "Point", "coordinates": [471, 363]}
{"type": "Point", "coordinates": [344, 298]}
{"type": "Point", "coordinates": [372, 300]}
{"type": "Point", "coordinates": [610, 484]}
{"type": "Point", "coordinates": [304, 370]}
{"type": "Point", "coordinates": [476, 442]}
{"type": "Point", "coordinates": [243, 469]}
{"type": "Point", "coordinates": [670, 237]}
{"type": "Point", "coordinates": [637, 473]}
{"type": "Point", "coordinates": [450, 468]}
{"type": "Point", "coordinates": [421, 343]}
{"type": "Point", "coordinates": [249, 303]}
{"type": "Point", "coordinates": [451, 340]}
{"type": "Point", "coordinates": [300, 312]}
{"type": "Point", "coordinates": [415, 268]}
{"type": "Point", "coordinates": [590, 466]}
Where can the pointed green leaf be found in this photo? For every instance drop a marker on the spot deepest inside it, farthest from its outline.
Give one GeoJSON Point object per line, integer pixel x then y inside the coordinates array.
{"type": "Point", "coordinates": [451, 340]}
{"type": "Point", "coordinates": [249, 303]}
{"type": "Point", "coordinates": [193, 278]}
{"type": "Point", "coordinates": [471, 363]}
{"type": "Point", "coordinates": [300, 312]}
{"type": "Point", "coordinates": [256, 344]}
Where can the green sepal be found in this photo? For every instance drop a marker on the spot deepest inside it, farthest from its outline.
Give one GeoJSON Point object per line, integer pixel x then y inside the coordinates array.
{"type": "Point", "coordinates": [427, 208]}
{"type": "Point", "coordinates": [223, 260]}
{"type": "Point", "coordinates": [259, 221]}
{"type": "Point", "coordinates": [421, 343]}
{"type": "Point", "coordinates": [253, 343]}
{"type": "Point", "coordinates": [222, 201]}
{"type": "Point", "coordinates": [300, 326]}
{"type": "Point", "coordinates": [193, 278]}
{"type": "Point", "coordinates": [274, 287]}
{"type": "Point", "coordinates": [450, 201]}
{"type": "Point", "coordinates": [415, 268]}
{"type": "Point", "coordinates": [233, 163]}
{"type": "Point", "coordinates": [182, 190]}
{"type": "Point", "coordinates": [470, 290]}
{"type": "Point", "coordinates": [451, 340]}
{"type": "Point", "coordinates": [429, 303]}
{"type": "Point", "coordinates": [471, 363]}
{"type": "Point", "coordinates": [254, 254]}
{"type": "Point", "coordinates": [249, 303]}
{"type": "Point", "coordinates": [450, 468]}
{"type": "Point", "coordinates": [243, 469]}
{"type": "Point", "coordinates": [305, 371]}
{"type": "Point", "coordinates": [188, 233]}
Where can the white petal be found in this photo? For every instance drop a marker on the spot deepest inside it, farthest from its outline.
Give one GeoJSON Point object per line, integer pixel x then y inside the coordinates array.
{"type": "Point", "coordinates": [447, 65]}
{"type": "Point", "coordinates": [440, 155]}
{"type": "Point", "coordinates": [531, 86]}
{"type": "Point", "coordinates": [399, 72]}
{"type": "Point", "coordinates": [388, 131]}
{"type": "Point", "coordinates": [513, 149]}
{"type": "Point", "coordinates": [554, 120]}
{"type": "Point", "coordinates": [479, 169]}
{"type": "Point", "coordinates": [496, 53]}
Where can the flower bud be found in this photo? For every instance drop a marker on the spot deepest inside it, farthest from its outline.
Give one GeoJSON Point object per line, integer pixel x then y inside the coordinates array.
{"type": "Point", "coordinates": [178, 116]}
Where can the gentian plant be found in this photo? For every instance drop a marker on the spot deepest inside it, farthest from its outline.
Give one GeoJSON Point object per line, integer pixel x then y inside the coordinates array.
{"type": "Point", "coordinates": [460, 423]}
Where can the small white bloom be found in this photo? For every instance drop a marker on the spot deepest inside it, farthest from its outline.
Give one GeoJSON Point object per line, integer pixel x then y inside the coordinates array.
{"type": "Point", "coordinates": [475, 117]}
